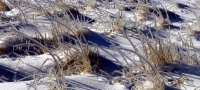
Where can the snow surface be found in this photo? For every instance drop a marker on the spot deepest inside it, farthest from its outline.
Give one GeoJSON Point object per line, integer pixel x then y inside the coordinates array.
{"type": "Point", "coordinates": [15, 71]}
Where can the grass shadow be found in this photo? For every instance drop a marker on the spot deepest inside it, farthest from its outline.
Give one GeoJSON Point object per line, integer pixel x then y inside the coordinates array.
{"type": "Point", "coordinates": [172, 16]}
{"type": "Point", "coordinates": [182, 6]}
{"type": "Point", "coordinates": [10, 75]}
{"type": "Point", "coordinates": [20, 46]}
{"type": "Point", "coordinates": [98, 39]}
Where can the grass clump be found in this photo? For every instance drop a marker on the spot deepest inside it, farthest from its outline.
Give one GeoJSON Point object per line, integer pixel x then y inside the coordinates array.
{"type": "Point", "coordinates": [194, 29]}
{"type": "Point", "coordinates": [78, 61]}
{"type": "Point", "coordinates": [90, 6]}
{"type": "Point", "coordinates": [142, 13]}
{"type": "Point", "coordinates": [3, 6]}
{"type": "Point", "coordinates": [159, 52]}
{"type": "Point", "coordinates": [160, 22]}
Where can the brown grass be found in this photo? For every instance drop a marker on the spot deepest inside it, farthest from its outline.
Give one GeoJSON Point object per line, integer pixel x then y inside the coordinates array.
{"type": "Point", "coordinates": [117, 24]}
{"type": "Point", "coordinates": [179, 82]}
{"type": "Point", "coordinates": [142, 13]}
{"type": "Point", "coordinates": [161, 22]}
{"type": "Point", "coordinates": [84, 61]}
{"type": "Point", "coordinates": [90, 6]}
{"type": "Point", "coordinates": [194, 28]}
{"type": "Point", "coordinates": [3, 6]}
{"type": "Point", "coordinates": [159, 52]}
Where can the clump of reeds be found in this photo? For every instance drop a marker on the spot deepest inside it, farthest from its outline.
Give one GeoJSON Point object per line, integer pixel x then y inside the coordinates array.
{"type": "Point", "coordinates": [3, 6]}
{"type": "Point", "coordinates": [117, 23]}
{"type": "Point", "coordinates": [160, 22]}
{"type": "Point", "coordinates": [174, 5]}
{"type": "Point", "coordinates": [160, 52]}
{"type": "Point", "coordinates": [194, 29]}
{"type": "Point", "coordinates": [78, 61]}
{"type": "Point", "coordinates": [141, 13]}
{"type": "Point", "coordinates": [90, 6]}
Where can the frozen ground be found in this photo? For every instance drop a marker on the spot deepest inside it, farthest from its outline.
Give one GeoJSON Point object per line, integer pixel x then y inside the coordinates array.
{"type": "Point", "coordinates": [29, 72]}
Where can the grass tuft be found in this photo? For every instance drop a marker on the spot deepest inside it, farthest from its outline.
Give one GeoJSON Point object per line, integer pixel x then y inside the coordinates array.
{"type": "Point", "coordinates": [159, 52]}
{"type": "Point", "coordinates": [78, 61]}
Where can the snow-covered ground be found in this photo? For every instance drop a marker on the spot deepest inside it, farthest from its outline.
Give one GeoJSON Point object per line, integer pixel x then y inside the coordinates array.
{"type": "Point", "coordinates": [112, 26]}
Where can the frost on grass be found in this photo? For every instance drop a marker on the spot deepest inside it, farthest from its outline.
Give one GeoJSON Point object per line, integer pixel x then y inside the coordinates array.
{"type": "Point", "coordinates": [67, 26]}
{"type": "Point", "coordinates": [78, 61]}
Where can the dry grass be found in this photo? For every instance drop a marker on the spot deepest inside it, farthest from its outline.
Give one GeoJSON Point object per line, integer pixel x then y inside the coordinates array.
{"type": "Point", "coordinates": [150, 83]}
{"type": "Point", "coordinates": [70, 28]}
{"type": "Point", "coordinates": [78, 61]}
{"type": "Point", "coordinates": [194, 29]}
{"type": "Point", "coordinates": [179, 82]}
{"type": "Point", "coordinates": [3, 6]}
{"type": "Point", "coordinates": [143, 80]}
{"type": "Point", "coordinates": [142, 13]}
{"type": "Point", "coordinates": [81, 59]}
{"type": "Point", "coordinates": [90, 6]}
{"type": "Point", "coordinates": [174, 5]}
{"type": "Point", "coordinates": [193, 32]}
{"type": "Point", "coordinates": [159, 52]}
{"type": "Point", "coordinates": [160, 22]}
{"type": "Point", "coordinates": [117, 24]}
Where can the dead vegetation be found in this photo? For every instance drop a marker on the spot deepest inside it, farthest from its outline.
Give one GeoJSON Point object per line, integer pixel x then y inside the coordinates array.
{"type": "Point", "coordinates": [160, 52]}
{"type": "Point", "coordinates": [82, 59]}
{"type": "Point", "coordinates": [3, 6]}
{"type": "Point", "coordinates": [76, 61]}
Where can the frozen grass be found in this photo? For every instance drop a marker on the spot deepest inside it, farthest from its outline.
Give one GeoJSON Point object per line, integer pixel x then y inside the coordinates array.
{"type": "Point", "coordinates": [78, 61]}
{"type": "Point", "coordinates": [3, 6]}
{"type": "Point", "coordinates": [159, 51]}
{"type": "Point", "coordinates": [66, 34]}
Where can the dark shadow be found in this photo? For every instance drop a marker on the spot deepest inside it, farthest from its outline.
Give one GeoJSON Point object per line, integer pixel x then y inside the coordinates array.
{"type": "Point", "coordinates": [174, 27]}
{"type": "Point", "coordinates": [170, 88]}
{"type": "Point", "coordinates": [129, 8]}
{"type": "Point", "coordinates": [140, 1]}
{"type": "Point", "coordinates": [152, 32]}
{"type": "Point", "coordinates": [171, 27]}
{"type": "Point", "coordinates": [73, 15]}
{"type": "Point", "coordinates": [197, 35]}
{"type": "Point", "coordinates": [109, 67]}
{"type": "Point", "coordinates": [6, 19]}
{"type": "Point", "coordinates": [99, 39]}
{"type": "Point", "coordinates": [182, 6]}
{"type": "Point", "coordinates": [88, 36]}
{"type": "Point", "coordinates": [20, 46]}
{"type": "Point", "coordinates": [189, 70]}
{"type": "Point", "coordinates": [105, 0]}
{"type": "Point", "coordinates": [9, 75]}
{"type": "Point", "coordinates": [173, 17]}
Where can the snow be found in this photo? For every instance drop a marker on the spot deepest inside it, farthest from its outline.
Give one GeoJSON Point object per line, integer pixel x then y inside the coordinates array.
{"type": "Point", "coordinates": [13, 86]}
{"type": "Point", "coordinates": [16, 73]}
